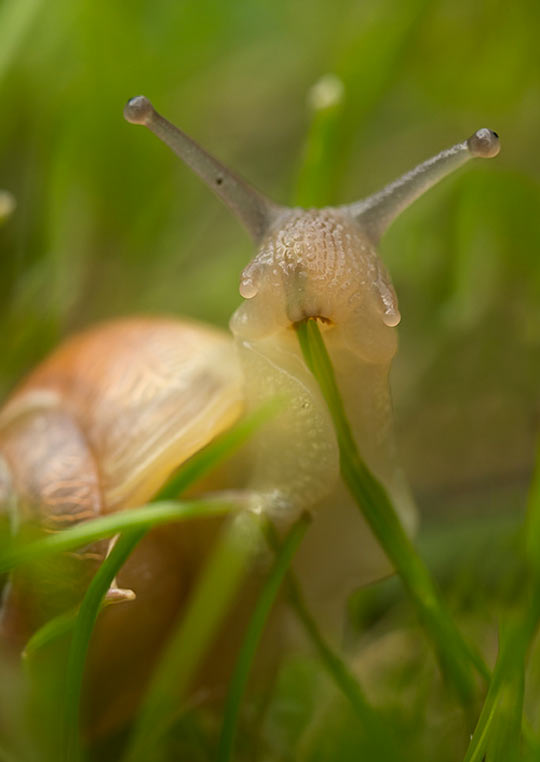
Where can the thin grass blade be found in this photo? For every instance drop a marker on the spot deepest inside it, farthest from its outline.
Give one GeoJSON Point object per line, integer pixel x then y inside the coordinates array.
{"type": "Point", "coordinates": [81, 638]}
{"type": "Point", "coordinates": [145, 517]}
{"type": "Point", "coordinates": [55, 628]}
{"type": "Point", "coordinates": [455, 655]}
{"type": "Point", "coordinates": [499, 724]}
{"type": "Point", "coordinates": [380, 736]}
{"type": "Point", "coordinates": [16, 18]}
{"type": "Point", "coordinates": [252, 637]}
{"type": "Point", "coordinates": [317, 169]}
{"type": "Point", "coordinates": [209, 603]}
{"type": "Point", "coordinates": [499, 727]}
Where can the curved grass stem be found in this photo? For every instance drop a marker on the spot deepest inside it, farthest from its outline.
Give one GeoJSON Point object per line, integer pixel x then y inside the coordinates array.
{"type": "Point", "coordinates": [265, 601]}
{"type": "Point", "coordinates": [455, 655]}
{"type": "Point", "coordinates": [381, 737]}
{"type": "Point", "coordinates": [82, 633]}
{"type": "Point", "coordinates": [199, 624]}
{"type": "Point", "coordinates": [144, 517]}
{"type": "Point", "coordinates": [501, 723]}
{"type": "Point", "coordinates": [52, 630]}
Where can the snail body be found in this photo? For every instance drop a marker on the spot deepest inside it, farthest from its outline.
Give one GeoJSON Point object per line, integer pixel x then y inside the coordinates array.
{"type": "Point", "coordinates": [101, 424]}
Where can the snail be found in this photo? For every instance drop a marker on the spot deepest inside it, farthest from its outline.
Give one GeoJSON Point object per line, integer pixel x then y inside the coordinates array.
{"type": "Point", "coordinates": [103, 422]}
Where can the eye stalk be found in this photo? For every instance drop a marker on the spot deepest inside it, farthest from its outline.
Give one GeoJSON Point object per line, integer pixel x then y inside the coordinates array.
{"type": "Point", "coordinates": [376, 213]}
{"type": "Point", "coordinates": [258, 213]}
{"type": "Point", "coordinates": [484, 144]}
{"type": "Point", "coordinates": [253, 209]}
{"type": "Point", "coordinates": [139, 110]}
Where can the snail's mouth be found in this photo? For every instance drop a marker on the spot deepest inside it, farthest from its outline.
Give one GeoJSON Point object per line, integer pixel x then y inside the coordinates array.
{"type": "Point", "coordinates": [323, 321]}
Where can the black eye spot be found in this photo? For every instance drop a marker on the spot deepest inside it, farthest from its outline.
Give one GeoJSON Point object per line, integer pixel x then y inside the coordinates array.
{"type": "Point", "coordinates": [219, 180]}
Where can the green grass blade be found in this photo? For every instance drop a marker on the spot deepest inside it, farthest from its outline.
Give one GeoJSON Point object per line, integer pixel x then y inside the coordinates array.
{"type": "Point", "coordinates": [476, 750]}
{"type": "Point", "coordinates": [334, 664]}
{"type": "Point", "coordinates": [337, 669]}
{"type": "Point", "coordinates": [317, 169]}
{"type": "Point", "coordinates": [205, 611]}
{"type": "Point", "coordinates": [505, 741]}
{"type": "Point", "coordinates": [531, 741]}
{"type": "Point", "coordinates": [55, 628]}
{"type": "Point", "coordinates": [252, 637]}
{"type": "Point", "coordinates": [81, 637]}
{"type": "Point", "coordinates": [16, 18]}
{"type": "Point", "coordinates": [314, 187]}
{"type": "Point", "coordinates": [380, 736]}
{"type": "Point", "coordinates": [500, 722]}
{"type": "Point", "coordinates": [455, 655]}
{"type": "Point", "coordinates": [146, 516]}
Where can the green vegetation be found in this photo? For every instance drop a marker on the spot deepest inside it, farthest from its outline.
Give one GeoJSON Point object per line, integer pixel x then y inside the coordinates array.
{"type": "Point", "coordinates": [457, 659]}
{"type": "Point", "coordinates": [100, 222]}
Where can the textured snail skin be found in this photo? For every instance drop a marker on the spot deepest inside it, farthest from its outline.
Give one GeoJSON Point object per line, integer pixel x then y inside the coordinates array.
{"type": "Point", "coordinates": [319, 263]}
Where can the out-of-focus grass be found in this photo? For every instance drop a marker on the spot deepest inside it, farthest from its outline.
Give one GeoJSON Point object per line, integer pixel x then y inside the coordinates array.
{"type": "Point", "coordinates": [106, 224]}
{"type": "Point", "coordinates": [252, 637]}
{"type": "Point", "coordinates": [208, 606]}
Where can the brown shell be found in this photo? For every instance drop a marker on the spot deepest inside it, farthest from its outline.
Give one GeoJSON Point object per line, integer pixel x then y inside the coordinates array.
{"type": "Point", "coordinates": [146, 393]}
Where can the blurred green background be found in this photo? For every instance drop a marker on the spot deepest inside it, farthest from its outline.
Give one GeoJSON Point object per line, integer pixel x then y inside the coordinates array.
{"type": "Point", "coordinates": [108, 222]}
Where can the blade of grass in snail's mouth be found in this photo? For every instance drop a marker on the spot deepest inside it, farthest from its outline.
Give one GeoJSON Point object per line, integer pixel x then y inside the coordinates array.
{"type": "Point", "coordinates": [455, 655]}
